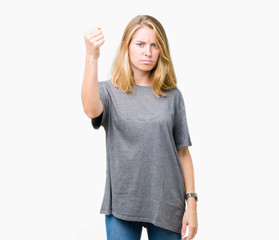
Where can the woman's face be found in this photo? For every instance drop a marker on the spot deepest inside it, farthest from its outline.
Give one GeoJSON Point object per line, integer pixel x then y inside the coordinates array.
{"type": "Point", "coordinates": [143, 51]}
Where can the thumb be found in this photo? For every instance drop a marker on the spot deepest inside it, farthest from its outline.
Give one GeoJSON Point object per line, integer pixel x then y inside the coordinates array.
{"type": "Point", "coordinates": [183, 229]}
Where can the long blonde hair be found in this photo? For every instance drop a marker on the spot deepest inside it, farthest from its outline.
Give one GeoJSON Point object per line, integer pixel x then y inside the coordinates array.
{"type": "Point", "coordinates": [162, 75]}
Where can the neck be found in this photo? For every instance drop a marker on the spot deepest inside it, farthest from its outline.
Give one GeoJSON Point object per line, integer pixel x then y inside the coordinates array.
{"type": "Point", "coordinates": [142, 78]}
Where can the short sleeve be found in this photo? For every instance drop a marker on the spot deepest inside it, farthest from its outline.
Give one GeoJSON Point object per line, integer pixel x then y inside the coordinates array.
{"type": "Point", "coordinates": [101, 120]}
{"type": "Point", "coordinates": [181, 133]}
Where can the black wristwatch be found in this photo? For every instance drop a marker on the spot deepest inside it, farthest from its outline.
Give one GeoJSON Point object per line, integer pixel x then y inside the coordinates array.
{"type": "Point", "coordinates": [191, 195]}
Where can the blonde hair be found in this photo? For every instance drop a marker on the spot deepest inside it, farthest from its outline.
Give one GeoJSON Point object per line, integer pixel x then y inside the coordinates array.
{"type": "Point", "coordinates": [162, 75]}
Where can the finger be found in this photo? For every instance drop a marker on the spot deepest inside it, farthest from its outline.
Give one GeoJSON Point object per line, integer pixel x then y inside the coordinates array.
{"type": "Point", "coordinates": [92, 30]}
{"type": "Point", "coordinates": [184, 231]}
{"type": "Point", "coordinates": [196, 230]}
{"type": "Point", "coordinates": [99, 37]}
{"type": "Point", "coordinates": [94, 40]}
{"type": "Point", "coordinates": [100, 42]}
{"type": "Point", "coordinates": [93, 33]}
{"type": "Point", "coordinates": [191, 233]}
{"type": "Point", "coordinates": [98, 32]}
{"type": "Point", "coordinates": [91, 37]}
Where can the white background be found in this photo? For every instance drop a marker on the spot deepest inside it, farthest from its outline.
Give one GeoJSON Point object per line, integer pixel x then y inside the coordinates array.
{"type": "Point", "coordinates": [52, 169]}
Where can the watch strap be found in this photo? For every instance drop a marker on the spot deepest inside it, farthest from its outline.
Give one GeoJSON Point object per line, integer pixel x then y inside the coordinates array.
{"type": "Point", "coordinates": [191, 195]}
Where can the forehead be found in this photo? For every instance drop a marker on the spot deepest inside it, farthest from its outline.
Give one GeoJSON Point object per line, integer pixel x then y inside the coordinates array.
{"type": "Point", "coordinates": [145, 34]}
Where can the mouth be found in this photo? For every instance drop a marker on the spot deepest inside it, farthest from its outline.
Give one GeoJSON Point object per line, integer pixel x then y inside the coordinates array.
{"type": "Point", "coordinates": [147, 61]}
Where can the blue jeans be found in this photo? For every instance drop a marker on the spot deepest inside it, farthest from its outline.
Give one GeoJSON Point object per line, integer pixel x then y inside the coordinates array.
{"type": "Point", "coordinates": [119, 229]}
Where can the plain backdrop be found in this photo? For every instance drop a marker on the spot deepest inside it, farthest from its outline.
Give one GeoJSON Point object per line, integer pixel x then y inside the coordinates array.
{"type": "Point", "coordinates": [52, 169]}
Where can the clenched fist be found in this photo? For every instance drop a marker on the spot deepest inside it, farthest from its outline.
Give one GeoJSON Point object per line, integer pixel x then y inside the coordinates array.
{"type": "Point", "coordinates": [94, 38]}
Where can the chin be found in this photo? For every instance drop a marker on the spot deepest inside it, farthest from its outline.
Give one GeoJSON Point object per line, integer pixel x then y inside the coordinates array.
{"type": "Point", "coordinates": [147, 68]}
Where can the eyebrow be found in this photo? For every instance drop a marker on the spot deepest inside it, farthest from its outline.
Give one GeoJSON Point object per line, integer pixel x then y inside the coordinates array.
{"type": "Point", "coordinates": [144, 41]}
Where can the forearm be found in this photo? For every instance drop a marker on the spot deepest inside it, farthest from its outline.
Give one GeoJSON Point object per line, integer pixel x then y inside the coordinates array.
{"type": "Point", "coordinates": [188, 173]}
{"type": "Point", "coordinates": [90, 89]}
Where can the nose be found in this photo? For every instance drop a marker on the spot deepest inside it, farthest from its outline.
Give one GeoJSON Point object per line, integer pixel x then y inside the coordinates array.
{"type": "Point", "coordinates": [147, 51]}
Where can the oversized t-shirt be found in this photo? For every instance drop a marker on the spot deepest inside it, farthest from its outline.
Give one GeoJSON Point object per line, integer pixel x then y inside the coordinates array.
{"type": "Point", "coordinates": [144, 178]}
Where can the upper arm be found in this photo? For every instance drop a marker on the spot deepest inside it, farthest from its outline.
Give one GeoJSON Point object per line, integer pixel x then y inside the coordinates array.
{"type": "Point", "coordinates": [100, 109]}
{"type": "Point", "coordinates": [102, 115]}
{"type": "Point", "coordinates": [181, 133]}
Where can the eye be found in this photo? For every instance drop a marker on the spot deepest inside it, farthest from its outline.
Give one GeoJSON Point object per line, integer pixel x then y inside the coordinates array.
{"type": "Point", "coordinates": [154, 45]}
{"type": "Point", "coordinates": [139, 43]}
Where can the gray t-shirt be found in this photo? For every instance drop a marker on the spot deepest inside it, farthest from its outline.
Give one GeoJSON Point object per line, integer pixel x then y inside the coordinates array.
{"type": "Point", "coordinates": [144, 178]}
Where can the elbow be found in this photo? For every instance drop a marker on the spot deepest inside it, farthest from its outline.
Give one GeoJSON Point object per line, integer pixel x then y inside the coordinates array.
{"type": "Point", "coordinates": [91, 114]}
{"type": "Point", "coordinates": [93, 111]}
{"type": "Point", "coordinates": [183, 152]}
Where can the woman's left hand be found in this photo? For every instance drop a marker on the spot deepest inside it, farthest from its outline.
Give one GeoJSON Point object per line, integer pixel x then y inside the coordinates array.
{"type": "Point", "coordinates": [190, 218]}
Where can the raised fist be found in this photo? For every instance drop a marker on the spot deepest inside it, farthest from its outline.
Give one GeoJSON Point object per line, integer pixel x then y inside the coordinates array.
{"type": "Point", "coordinates": [94, 38]}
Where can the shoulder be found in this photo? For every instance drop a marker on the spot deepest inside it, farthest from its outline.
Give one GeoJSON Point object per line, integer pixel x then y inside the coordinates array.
{"type": "Point", "coordinates": [105, 83]}
{"type": "Point", "coordinates": [106, 86]}
{"type": "Point", "coordinates": [175, 94]}
{"type": "Point", "coordinates": [177, 98]}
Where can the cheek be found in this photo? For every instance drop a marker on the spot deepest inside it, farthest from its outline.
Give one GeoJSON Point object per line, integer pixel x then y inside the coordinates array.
{"type": "Point", "coordinates": [133, 53]}
{"type": "Point", "coordinates": [157, 54]}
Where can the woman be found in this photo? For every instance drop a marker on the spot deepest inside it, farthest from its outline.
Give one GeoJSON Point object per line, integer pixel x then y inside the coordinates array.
{"type": "Point", "coordinates": [149, 167]}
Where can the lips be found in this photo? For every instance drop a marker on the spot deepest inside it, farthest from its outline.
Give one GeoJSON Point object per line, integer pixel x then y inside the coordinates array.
{"type": "Point", "coordinates": [147, 61]}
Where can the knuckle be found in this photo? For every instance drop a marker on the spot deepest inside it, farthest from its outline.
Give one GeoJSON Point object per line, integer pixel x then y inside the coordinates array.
{"type": "Point", "coordinates": [93, 29]}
